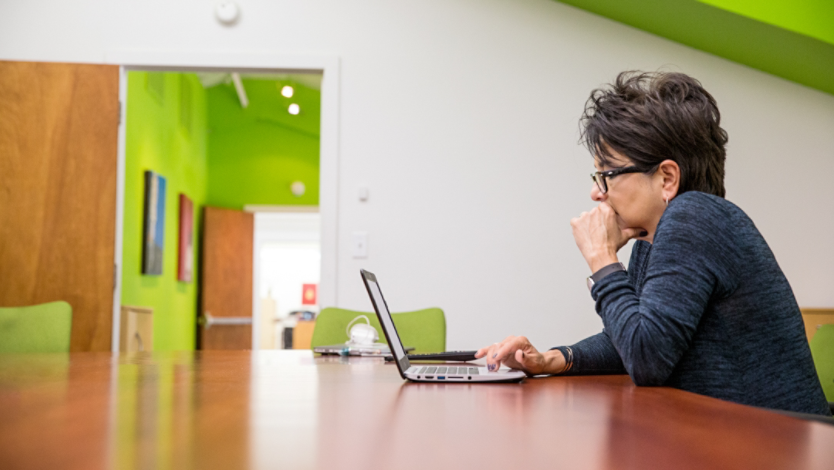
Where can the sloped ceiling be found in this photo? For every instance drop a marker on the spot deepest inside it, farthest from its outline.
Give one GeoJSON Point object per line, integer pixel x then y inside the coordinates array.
{"type": "Point", "coordinates": [792, 39]}
{"type": "Point", "coordinates": [813, 18]}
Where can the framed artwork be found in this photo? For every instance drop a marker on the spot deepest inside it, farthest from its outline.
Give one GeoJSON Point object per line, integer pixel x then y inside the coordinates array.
{"type": "Point", "coordinates": [186, 254]}
{"type": "Point", "coordinates": [153, 235]}
{"type": "Point", "coordinates": [309, 294]}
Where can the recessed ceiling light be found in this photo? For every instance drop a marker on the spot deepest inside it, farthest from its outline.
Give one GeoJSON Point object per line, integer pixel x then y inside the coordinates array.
{"type": "Point", "coordinates": [294, 109]}
{"type": "Point", "coordinates": [287, 91]}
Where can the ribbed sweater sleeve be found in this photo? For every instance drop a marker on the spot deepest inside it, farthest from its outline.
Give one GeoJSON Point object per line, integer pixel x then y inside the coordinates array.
{"type": "Point", "coordinates": [595, 355]}
{"type": "Point", "coordinates": [690, 260]}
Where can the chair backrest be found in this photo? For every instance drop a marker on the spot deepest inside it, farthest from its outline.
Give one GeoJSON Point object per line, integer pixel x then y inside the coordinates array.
{"type": "Point", "coordinates": [424, 330]}
{"type": "Point", "coordinates": [36, 329]}
{"type": "Point", "coordinates": [822, 348]}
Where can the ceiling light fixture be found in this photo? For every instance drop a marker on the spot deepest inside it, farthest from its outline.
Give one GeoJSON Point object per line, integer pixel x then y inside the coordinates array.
{"type": "Point", "coordinates": [294, 109]}
{"type": "Point", "coordinates": [287, 91]}
{"type": "Point", "coordinates": [241, 91]}
{"type": "Point", "coordinates": [297, 188]}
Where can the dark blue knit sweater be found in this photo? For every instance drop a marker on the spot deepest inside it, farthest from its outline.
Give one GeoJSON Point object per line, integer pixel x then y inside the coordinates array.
{"type": "Point", "coordinates": [707, 309]}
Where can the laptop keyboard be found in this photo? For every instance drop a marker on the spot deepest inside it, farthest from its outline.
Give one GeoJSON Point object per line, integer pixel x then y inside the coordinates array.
{"type": "Point", "coordinates": [449, 370]}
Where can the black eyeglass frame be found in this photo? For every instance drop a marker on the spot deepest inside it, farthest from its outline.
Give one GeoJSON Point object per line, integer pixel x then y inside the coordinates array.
{"type": "Point", "coordinates": [599, 177]}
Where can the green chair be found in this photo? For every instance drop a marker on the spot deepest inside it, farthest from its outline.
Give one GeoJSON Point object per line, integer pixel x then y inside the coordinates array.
{"type": "Point", "coordinates": [424, 330]}
{"type": "Point", "coordinates": [822, 348]}
{"type": "Point", "coordinates": [43, 328]}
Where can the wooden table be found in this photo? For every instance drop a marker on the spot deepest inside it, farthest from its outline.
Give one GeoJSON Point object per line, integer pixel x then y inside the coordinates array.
{"type": "Point", "coordinates": [290, 410]}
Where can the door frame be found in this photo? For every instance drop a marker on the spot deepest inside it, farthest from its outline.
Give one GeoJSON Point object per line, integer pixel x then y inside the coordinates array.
{"type": "Point", "coordinates": [185, 61]}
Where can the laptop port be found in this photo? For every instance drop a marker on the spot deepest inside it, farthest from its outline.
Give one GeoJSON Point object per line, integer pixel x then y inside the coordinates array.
{"type": "Point", "coordinates": [440, 377]}
{"type": "Point", "coordinates": [429, 377]}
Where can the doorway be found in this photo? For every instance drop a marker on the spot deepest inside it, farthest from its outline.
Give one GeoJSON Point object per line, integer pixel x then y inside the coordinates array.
{"type": "Point", "coordinates": [287, 274]}
{"type": "Point", "coordinates": [327, 205]}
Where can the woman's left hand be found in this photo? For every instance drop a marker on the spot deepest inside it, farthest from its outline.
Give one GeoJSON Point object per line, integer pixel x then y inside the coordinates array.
{"type": "Point", "coordinates": [599, 236]}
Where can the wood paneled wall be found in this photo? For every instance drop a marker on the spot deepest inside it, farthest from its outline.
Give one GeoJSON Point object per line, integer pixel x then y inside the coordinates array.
{"type": "Point", "coordinates": [58, 154]}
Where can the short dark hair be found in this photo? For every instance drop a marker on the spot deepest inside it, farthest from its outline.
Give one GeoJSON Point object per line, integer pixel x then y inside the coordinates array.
{"type": "Point", "coordinates": [653, 116]}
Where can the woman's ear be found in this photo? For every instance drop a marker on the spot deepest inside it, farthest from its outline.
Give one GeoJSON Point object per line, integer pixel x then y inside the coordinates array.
{"type": "Point", "coordinates": [670, 174]}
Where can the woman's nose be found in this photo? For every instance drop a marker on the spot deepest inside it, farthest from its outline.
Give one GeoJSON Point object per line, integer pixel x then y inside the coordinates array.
{"type": "Point", "coordinates": [596, 194]}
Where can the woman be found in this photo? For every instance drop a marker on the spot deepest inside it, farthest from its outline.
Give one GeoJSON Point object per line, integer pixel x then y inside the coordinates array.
{"type": "Point", "coordinates": [704, 306]}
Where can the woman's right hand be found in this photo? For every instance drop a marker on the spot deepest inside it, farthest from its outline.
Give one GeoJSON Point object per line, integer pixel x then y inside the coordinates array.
{"type": "Point", "coordinates": [518, 353]}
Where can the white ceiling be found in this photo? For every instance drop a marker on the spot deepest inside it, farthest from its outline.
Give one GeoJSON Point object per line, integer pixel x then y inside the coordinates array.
{"type": "Point", "coordinates": [310, 80]}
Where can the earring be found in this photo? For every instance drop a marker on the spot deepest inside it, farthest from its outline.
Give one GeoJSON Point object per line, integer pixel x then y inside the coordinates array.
{"type": "Point", "coordinates": [666, 201]}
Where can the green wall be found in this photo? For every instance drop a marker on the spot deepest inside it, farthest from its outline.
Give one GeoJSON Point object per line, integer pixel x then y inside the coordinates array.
{"type": "Point", "coordinates": [159, 138]}
{"type": "Point", "coordinates": [256, 153]}
{"type": "Point", "coordinates": [226, 157]}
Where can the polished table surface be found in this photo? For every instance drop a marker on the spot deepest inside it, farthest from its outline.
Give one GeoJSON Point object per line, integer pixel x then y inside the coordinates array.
{"type": "Point", "coordinates": [291, 410]}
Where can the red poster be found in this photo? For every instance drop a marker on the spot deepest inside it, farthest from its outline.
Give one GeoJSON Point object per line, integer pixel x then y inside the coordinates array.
{"type": "Point", "coordinates": [308, 294]}
{"type": "Point", "coordinates": [186, 245]}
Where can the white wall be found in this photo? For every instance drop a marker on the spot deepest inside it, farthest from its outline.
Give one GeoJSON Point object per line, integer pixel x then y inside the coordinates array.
{"type": "Point", "coordinates": [460, 116]}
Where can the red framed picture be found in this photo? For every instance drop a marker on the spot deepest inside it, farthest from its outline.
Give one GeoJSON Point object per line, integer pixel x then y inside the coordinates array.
{"type": "Point", "coordinates": [309, 294]}
{"type": "Point", "coordinates": [186, 245]}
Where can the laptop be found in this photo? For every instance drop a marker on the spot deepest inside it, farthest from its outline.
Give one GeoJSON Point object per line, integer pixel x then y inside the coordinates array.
{"type": "Point", "coordinates": [428, 372]}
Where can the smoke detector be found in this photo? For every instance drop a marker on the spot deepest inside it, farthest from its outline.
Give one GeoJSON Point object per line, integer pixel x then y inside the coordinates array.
{"type": "Point", "coordinates": [226, 12]}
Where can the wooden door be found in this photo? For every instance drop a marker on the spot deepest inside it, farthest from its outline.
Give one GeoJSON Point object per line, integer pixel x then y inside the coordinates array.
{"type": "Point", "coordinates": [228, 240]}
{"type": "Point", "coordinates": [58, 152]}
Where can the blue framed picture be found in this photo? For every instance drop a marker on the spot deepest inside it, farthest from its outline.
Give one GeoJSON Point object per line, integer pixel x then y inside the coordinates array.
{"type": "Point", "coordinates": [153, 235]}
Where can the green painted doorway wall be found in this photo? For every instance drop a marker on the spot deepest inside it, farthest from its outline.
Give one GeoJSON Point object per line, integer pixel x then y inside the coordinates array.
{"type": "Point", "coordinates": [217, 153]}
{"type": "Point", "coordinates": [166, 132]}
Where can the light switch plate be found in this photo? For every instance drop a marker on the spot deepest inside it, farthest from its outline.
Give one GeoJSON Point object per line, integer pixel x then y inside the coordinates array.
{"type": "Point", "coordinates": [360, 244]}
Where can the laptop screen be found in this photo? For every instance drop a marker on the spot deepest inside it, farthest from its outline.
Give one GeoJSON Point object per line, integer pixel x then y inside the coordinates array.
{"type": "Point", "coordinates": [385, 319]}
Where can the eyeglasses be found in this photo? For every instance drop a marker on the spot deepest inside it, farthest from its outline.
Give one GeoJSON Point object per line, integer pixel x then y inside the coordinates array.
{"type": "Point", "coordinates": [599, 177]}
